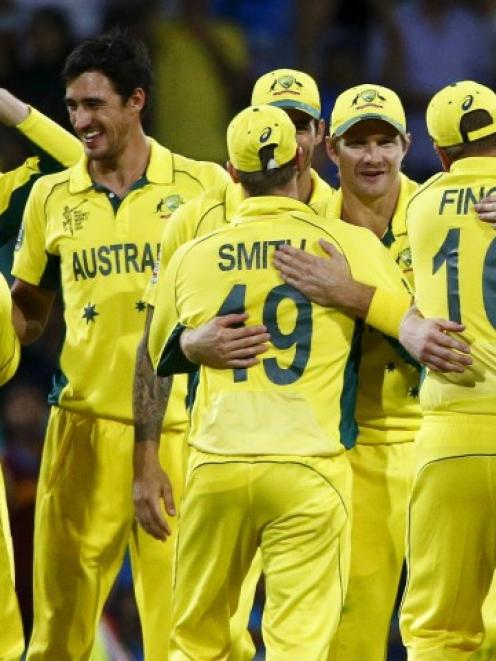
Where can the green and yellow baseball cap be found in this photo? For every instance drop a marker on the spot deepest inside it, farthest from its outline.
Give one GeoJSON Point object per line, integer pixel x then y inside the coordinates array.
{"type": "Point", "coordinates": [288, 88]}
{"type": "Point", "coordinates": [363, 102]}
{"type": "Point", "coordinates": [257, 127]}
{"type": "Point", "coordinates": [447, 108]}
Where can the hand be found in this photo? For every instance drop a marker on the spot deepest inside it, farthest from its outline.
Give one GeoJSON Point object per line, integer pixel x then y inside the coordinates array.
{"type": "Point", "coordinates": [430, 342]}
{"type": "Point", "coordinates": [322, 280]}
{"type": "Point", "coordinates": [327, 282]}
{"type": "Point", "coordinates": [223, 342]}
{"type": "Point", "coordinates": [151, 486]}
{"type": "Point", "coordinates": [486, 209]}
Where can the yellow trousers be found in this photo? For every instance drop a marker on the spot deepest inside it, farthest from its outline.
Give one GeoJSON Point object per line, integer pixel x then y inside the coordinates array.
{"type": "Point", "coordinates": [84, 523]}
{"type": "Point", "coordinates": [296, 510]}
{"type": "Point", "coordinates": [11, 635]}
{"type": "Point", "coordinates": [382, 482]}
{"type": "Point", "coordinates": [451, 547]}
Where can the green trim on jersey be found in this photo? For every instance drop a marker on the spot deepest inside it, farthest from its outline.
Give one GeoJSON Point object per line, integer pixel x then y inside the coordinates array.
{"type": "Point", "coordinates": [348, 427]}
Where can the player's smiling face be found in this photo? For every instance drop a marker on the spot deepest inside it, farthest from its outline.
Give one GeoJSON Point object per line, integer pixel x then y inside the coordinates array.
{"type": "Point", "coordinates": [369, 157]}
{"type": "Point", "coordinates": [101, 119]}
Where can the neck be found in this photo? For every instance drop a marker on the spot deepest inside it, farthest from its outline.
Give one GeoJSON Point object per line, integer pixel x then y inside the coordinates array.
{"type": "Point", "coordinates": [305, 186]}
{"type": "Point", "coordinates": [373, 213]}
{"type": "Point", "coordinates": [121, 171]}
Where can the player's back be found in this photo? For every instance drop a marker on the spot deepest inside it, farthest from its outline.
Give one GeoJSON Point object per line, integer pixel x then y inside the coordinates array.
{"type": "Point", "coordinates": [291, 402]}
{"type": "Point", "coordinates": [454, 261]}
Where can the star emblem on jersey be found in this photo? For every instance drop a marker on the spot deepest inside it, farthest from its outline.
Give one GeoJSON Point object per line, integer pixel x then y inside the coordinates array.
{"type": "Point", "coordinates": [167, 205]}
{"type": "Point", "coordinates": [413, 392]}
{"type": "Point", "coordinates": [89, 313]}
{"type": "Point", "coordinates": [390, 367]}
{"type": "Point", "coordinates": [140, 306]}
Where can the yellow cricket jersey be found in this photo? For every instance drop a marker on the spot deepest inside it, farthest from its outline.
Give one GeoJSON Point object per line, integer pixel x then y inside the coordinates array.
{"type": "Point", "coordinates": [9, 344]}
{"type": "Point", "coordinates": [454, 262]}
{"type": "Point", "coordinates": [214, 209]}
{"type": "Point", "coordinates": [291, 403]}
{"type": "Point", "coordinates": [101, 251]}
{"type": "Point", "coordinates": [387, 408]}
{"type": "Point", "coordinates": [57, 149]}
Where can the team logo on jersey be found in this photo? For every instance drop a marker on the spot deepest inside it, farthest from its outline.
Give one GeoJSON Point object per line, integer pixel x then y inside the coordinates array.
{"type": "Point", "coordinates": [366, 98]}
{"type": "Point", "coordinates": [168, 205]}
{"type": "Point", "coordinates": [20, 239]}
{"type": "Point", "coordinates": [405, 258]}
{"type": "Point", "coordinates": [467, 102]}
{"type": "Point", "coordinates": [74, 218]}
{"type": "Point", "coordinates": [288, 83]}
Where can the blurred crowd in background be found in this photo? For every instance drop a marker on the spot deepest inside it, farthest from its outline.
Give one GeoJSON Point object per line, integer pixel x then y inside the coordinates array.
{"type": "Point", "coordinates": [207, 55]}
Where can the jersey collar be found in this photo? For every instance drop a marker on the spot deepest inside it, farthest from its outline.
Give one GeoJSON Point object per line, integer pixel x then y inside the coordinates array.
{"type": "Point", "coordinates": [252, 208]}
{"type": "Point", "coordinates": [160, 169]}
{"type": "Point", "coordinates": [474, 165]}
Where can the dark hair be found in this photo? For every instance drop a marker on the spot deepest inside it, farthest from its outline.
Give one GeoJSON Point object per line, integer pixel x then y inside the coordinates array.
{"type": "Point", "coordinates": [120, 57]}
{"type": "Point", "coordinates": [262, 183]}
{"type": "Point", "coordinates": [471, 121]}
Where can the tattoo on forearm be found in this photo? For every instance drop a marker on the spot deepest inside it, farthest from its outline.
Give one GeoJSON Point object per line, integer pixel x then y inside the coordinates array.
{"type": "Point", "coordinates": [150, 397]}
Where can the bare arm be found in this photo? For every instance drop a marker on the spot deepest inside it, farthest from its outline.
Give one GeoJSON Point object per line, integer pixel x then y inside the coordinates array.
{"type": "Point", "coordinates": [327, 282]}
{"type": "Point", "coordinates": [224, 342]}
{"type": "Point", "coordinates": [31, 309]}
{"type": "Point", "coordinates": [12, 110]}
{"type": "Point", "coordinates": [151, 483]}
{"type": "Point", "coordinates": [430, 341]}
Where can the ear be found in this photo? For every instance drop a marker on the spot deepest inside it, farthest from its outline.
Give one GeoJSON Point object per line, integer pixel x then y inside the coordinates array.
{"type": "Point", "coordinates": [319, 134]}
{"type": "Point", "coordinates": [406, 141]}
{"type": "Point", "coordinates": [443, 157]}
{"type": "Point", "coordinates": [232, 172]}
{"type": "Point", "coordinates": [332, 149]}
{"type": "Point", "coordinates": [137, 99]}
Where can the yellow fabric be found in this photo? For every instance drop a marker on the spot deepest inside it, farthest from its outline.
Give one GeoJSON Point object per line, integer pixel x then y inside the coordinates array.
{"type": "Point", "coordinates": [103, 260]}
{"type": "Point", "coordinates": [303, 534]}
{"type": "Point", "coordinates": [382, 481]}
{"type": "Point", "coordinates": [451, 548]}
{"type": "Point", "coordinates": [51, 137]}
{"type": "Point", "coordinates": [387, 408]}
{"type": "Point", "coordinates": [11, 638]}
{"type": "Point", "coordinates": [84, 521]}
{"type": "Point", "coordinates": [367, 101]}
{"type": "Point", "coordinates": [9, 343]}
{"type": "Point", "coordinates": [440, 214]}
{"type": "Point", "coordinates": [288, 88]}
{"type": "Point", "coordinates": [14, 179]}
{"type": "Point", "coordinates": [253, 129]}
{"type": "Point", "coordinates": [192, 104]}
{"type": "Point", "coordinates": [293, 382]}
{"type": "Point", "coordinates": [447, 108]}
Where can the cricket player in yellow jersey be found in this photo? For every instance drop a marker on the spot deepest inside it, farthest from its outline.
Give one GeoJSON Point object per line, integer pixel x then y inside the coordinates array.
{"type": "Point", "coordinates": [451, 533]}
{"type": "Point", "coordinates": [197, 218]}
{"type": "Point", "coordinates": [94, 231]}
{"type": "Point", "coordinates": [57, 149]}
{"type": "Point", "coordinates": [254, 432]}
{"type": "Point", "coordinates": [11, 637]}
{"type": "Point", "coordinates": [368, 140]}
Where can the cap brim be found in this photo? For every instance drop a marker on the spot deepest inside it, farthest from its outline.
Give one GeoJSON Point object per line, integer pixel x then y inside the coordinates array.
{"type": "Point", "coordinates": [297, 105]}
{"type": "Point", "coordinates": [373, 115]}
